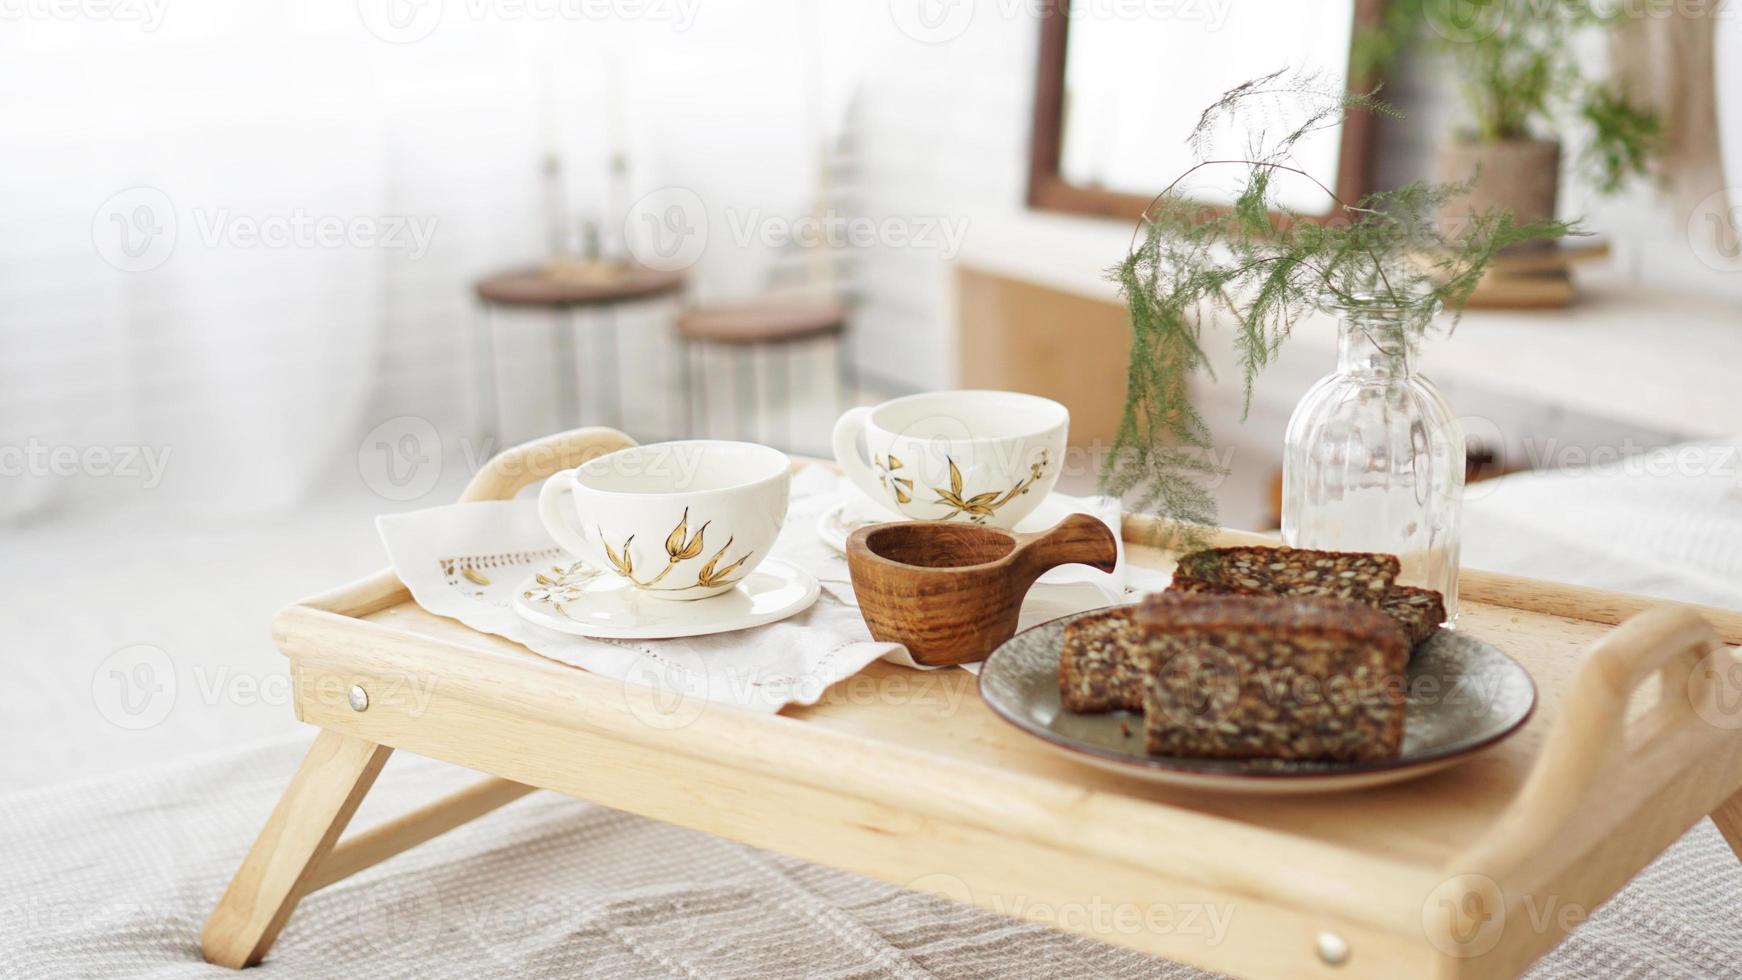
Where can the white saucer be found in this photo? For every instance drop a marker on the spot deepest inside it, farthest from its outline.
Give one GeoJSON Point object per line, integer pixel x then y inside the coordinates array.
{"type": "Point", "coordinates": [587, 602]}
{"type": "Point", "coordinates": [834, 524]}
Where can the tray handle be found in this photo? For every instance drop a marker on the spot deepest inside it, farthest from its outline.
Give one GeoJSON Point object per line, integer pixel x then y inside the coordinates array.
{"type": "Point", "coordinates": [499, 479]}
{"type": "Point", "coordinates": [1587, 750]}
{"type": "Point", "coordinates": [510, 470]}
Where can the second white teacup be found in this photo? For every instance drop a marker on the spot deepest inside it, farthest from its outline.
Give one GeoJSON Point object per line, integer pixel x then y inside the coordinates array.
{"type": "Point", "coordinates": [989, 457]}
{"type": "Point", "coordinates": [677, 520]}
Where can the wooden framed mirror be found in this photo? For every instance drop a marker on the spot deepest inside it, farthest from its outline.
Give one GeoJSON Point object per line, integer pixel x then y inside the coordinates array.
{"type": "Point", "coordinates": [1119, 88]}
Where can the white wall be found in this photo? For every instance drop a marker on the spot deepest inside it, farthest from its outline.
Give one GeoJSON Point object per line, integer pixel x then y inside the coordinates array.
{"type": "Point", "coordinates": [943, 134]}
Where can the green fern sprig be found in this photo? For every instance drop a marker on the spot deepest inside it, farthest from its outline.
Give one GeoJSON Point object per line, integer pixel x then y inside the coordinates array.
{"type": "Point", "coordinates": [1261, 268]}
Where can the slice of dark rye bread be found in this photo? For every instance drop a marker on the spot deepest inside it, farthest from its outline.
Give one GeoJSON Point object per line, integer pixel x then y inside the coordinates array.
{"type": "Point", "coordinates": [1417, 611]}
{"type": "Point", "coordinates": [1100, 663]}
{"type": "Point", "coordinates": [1355, 576]}
{"type": "Point", "coordinates": [1239, 677]}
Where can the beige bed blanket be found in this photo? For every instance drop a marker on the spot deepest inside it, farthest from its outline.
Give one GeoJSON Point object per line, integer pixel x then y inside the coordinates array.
{"type": "Point", "coordinates": [112, 877]}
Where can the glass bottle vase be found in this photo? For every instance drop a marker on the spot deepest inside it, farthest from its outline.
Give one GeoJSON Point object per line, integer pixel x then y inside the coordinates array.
{"type": "Point", "coordinates": [1374, 460]}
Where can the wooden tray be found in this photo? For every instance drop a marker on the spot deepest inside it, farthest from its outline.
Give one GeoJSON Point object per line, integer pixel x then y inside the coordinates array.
{"type": "Point", "coordinates": [907, 777]}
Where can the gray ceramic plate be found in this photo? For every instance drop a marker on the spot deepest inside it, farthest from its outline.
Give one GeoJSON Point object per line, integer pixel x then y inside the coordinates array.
{"type": "Point", "coordinates": [1464, 696]}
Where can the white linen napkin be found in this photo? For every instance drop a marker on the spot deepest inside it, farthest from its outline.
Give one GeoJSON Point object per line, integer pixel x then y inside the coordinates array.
{"type": "Point", "coordinates": [502, 543]}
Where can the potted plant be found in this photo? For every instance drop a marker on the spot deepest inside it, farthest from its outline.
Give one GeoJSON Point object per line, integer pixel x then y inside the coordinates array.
{"type": "Point", "coordinates": [1378, 470]}
{"type": "Point", "coordinates": [1516, 65]}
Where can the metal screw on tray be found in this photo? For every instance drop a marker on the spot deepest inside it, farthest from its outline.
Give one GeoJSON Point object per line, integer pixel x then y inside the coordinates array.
{"type": "Point", "coordinates": [358, 697]}
{"type": "Point", "coordinates": [1333, 949]}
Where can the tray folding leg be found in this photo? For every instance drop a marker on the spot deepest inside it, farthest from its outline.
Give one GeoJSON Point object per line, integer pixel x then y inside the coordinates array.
{"type": "Point", "coordinates": [280, 867]}
{"type": "Point", "coordinates": [298, 851]}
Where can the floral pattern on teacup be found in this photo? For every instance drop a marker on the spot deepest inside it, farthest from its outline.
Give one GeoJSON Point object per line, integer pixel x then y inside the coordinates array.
{"type": "Point", "coordinates": [679, 548]}
{"type": "Point", "coordinates": [899, 486]}
{"type": "Point", "coordinates": [980, 506]}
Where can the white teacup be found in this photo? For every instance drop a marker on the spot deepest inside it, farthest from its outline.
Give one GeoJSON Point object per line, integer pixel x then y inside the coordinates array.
{"type": "Point", "coordinates": [989, 457]}
{"type": "Point", "coordinates": [677, 520]}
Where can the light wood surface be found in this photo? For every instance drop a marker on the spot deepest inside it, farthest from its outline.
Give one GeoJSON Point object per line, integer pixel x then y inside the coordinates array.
{"type": "Point", "coordinates": [280, 867]}
{"type": "Point", "coordinates": [1535, 278]}
{"type": "Point", "coordinates": [1020, 336]}
{"type": "Point", "coordinates": [907, 776]}
{"type": "Point", "coordinates": [510, 471]}
{"type": "Point", "coordinates": [951, 593]}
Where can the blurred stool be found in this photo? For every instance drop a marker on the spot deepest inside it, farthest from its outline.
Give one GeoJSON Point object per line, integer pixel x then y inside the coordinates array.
{"type": "Point", "coordinates": [761, 326]}
{"type": "Point", "coordinates": [568, 291]}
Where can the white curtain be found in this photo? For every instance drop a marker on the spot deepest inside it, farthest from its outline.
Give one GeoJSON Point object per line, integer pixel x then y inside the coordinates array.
{"type": "Point", "coordinates": [158, 326]}
{"type": "Point", "coordinates": [233, 232]}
